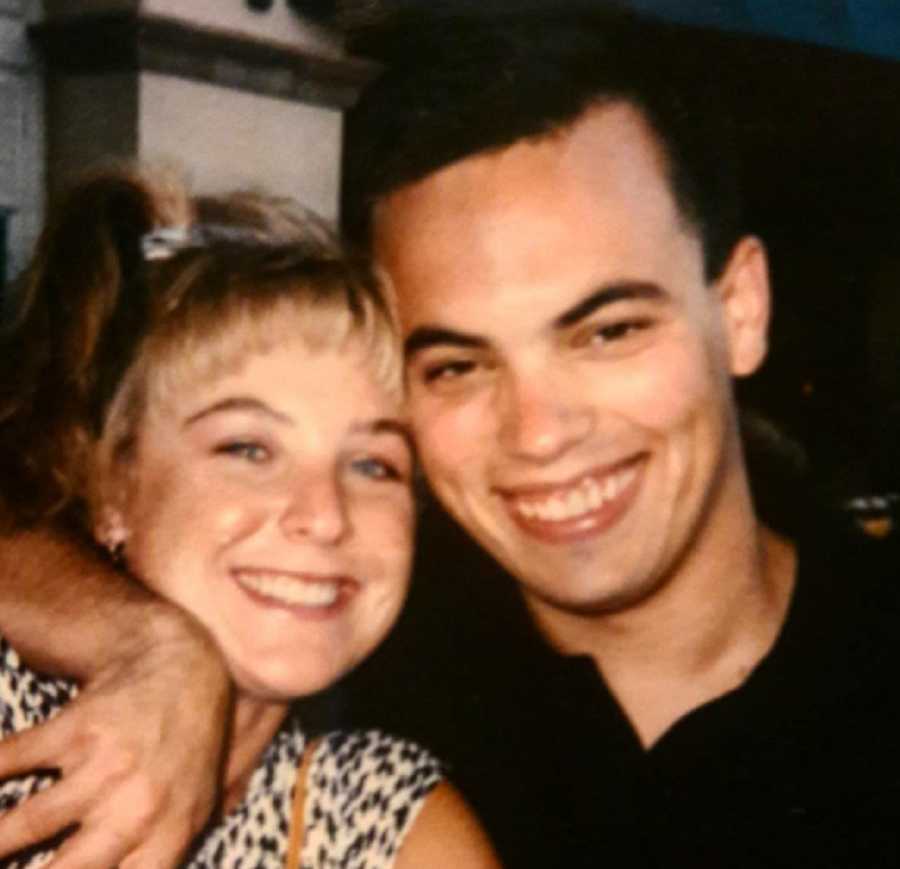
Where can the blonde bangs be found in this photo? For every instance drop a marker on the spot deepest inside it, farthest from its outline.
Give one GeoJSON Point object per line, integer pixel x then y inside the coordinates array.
{"type": "Point", "coordinates": [200, 343]}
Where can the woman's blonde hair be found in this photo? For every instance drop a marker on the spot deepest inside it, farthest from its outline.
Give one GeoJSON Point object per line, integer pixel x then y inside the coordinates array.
{"type": "Point", "coordinates": [136, 289]}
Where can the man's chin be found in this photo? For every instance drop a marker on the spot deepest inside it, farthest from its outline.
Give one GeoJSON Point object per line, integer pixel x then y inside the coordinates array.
{"type": "Point", "coordinates": [609, 599]}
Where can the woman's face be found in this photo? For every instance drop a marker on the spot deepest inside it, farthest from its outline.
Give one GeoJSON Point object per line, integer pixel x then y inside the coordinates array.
{"type": "Point", "coordinates": [274, 504]}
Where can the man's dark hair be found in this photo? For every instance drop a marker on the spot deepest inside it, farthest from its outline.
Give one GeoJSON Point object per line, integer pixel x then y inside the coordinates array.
{"type": "Point", "coordinates": [453, 86]}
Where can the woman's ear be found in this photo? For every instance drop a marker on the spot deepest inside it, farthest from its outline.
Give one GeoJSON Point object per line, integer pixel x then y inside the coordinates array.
{"type": "Point", "coordinates": [744, 293]}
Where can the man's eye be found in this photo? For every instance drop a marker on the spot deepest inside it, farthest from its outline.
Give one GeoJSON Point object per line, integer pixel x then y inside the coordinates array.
{"type": "Point", "coordinates": [248, 450]}
{"type": "Point", "coordinates": [376, 469]}
{"type": "Point", "coordinates": [448, 370]}
{"type": "Point", "coordinates": [600, 335]}
{"type": "Point", "coordinates": [617, 331]}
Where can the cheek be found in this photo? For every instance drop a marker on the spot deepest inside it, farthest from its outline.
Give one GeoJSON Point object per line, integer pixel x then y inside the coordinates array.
{"type": "Point", "coordinates": [449, 435]}
{"type": "Point", "coordinates": [178, 520]}
{"type": "Point", "coordinates": [667, 389]}
{"type": "Point", "coordinates": [383, 529]}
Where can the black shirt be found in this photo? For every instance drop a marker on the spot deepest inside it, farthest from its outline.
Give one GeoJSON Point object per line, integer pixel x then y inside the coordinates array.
{"type": "Point", "coordinates": [800, 766]}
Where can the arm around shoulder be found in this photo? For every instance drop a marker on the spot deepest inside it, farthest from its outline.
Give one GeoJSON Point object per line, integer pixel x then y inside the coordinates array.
{"type": "Point", "coordinates": [446, 833]}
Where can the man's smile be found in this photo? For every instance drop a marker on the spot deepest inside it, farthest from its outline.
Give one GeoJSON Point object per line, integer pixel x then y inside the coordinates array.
{"type": "Point", "coordinates": [588, 504]}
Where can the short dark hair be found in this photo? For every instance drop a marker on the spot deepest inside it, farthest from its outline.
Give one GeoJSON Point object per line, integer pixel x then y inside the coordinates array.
{"type": "Point", "coordinates": [457, 85]}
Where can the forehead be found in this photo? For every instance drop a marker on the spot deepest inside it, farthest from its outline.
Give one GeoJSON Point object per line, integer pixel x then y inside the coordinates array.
{"type": "Point", "coordinates": [332, 384]}
{"type": "Point", "coordinates": [549, 217]}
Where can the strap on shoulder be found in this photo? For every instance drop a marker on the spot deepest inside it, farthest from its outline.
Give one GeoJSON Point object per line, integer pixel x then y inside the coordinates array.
{"type": "Point", "coordinates": [295, 843]}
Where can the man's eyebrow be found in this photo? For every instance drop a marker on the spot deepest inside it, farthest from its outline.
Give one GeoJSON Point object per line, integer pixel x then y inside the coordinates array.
{"type": "Point", "coordinates": [237, 403]}
{"type": "Point", "coordinates": [425, 337]}
{"type": "Point", "coordinates": [607, 295]}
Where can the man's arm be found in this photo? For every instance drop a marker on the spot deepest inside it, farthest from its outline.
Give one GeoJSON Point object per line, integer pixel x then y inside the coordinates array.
{"type": "Point", "coordinates": [140, 748]}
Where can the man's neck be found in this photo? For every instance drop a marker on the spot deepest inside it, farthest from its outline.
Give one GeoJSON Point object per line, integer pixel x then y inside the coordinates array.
{"type": "Point", "coordinates": [697, 637]}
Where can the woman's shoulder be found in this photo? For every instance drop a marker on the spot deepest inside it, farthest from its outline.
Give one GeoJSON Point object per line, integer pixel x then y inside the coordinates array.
{"type": "Point", "coordinates": [27, 697]}
{"type": "Point", "coordinates": [378, 755]}
{"type": "Point", "coordinates": [364, 789]}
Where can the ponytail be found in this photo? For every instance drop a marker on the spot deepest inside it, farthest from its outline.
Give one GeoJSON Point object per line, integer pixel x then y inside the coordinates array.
{"type": "Point", "coordinates": [78, 301]}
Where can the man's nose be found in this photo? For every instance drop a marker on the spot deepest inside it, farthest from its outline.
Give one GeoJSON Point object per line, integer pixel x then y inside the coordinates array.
{"type": "Point", "coordinates": [541, 418]}
{"type": "Point", "coordinates": [317, 510]}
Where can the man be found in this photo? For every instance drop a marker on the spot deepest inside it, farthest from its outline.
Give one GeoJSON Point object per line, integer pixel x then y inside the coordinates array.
{"type": "Point", "coordinates": [670, 682]}
{"type": "Point", "coordinates": [553, 200]}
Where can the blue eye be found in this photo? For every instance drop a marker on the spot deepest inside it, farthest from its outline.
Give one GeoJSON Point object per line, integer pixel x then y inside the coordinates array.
{"type": "Point", "coordinates": [247, 450]}
{"type": "Point", "coordinates": [376, 469]}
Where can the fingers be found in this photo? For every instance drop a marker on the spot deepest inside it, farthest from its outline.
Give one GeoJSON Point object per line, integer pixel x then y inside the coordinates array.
{"type": "Point", "coordinates": [140, 766]}
{"type": "Point", "coordinates": [94, 848]}
{"type": "Point", "coordinates": [35, 748]}
{"type": "Point", "coordinates": [113, 825]}
{"type": "Point", "coordinates": [37, 819]}
{"type": "Point", "coordinates": [89, 795]}
{"type": "Point", "coordinates": [100, 844]}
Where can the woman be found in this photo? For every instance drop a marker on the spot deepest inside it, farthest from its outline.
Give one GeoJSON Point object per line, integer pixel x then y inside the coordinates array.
{"type": "Point", "coordinates": [211, 390]}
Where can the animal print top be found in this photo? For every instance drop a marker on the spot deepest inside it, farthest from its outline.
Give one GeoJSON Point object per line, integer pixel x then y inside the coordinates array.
{"type": "Point", "coordinates": [363, 790]}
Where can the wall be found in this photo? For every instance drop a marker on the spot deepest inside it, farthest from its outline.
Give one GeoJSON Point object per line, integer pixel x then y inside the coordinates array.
{"type": "Point", "coordinates": [234, 97]}
{"type": "Point", "coordinates": [21, 136]}
{"type": "Point", "coordinates": [225, 139]}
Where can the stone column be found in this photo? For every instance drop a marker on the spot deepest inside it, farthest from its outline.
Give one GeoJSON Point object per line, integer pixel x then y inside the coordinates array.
{"type": "Point", "coordinates": [233, 97]}
{"type": "Point", "coordinates": [21, 140]}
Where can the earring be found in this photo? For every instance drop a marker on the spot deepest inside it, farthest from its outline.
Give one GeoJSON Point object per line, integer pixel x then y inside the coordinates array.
{"type": "Point", "coordinates": [116, 552]}
{"type": "Point", "coordinates": [111, 533]}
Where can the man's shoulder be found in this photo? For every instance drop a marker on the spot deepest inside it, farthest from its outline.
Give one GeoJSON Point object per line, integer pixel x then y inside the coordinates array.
{"type": "Point", "coordinates": [833, 552]}
{"type": "Point", "coordinates": [846, 611]}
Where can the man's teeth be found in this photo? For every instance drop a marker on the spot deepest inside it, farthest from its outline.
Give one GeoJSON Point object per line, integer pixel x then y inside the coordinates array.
{"type": "Point", "coordinates": [589, 495]}
{"type": "Point", "coordinates": [289, 590]}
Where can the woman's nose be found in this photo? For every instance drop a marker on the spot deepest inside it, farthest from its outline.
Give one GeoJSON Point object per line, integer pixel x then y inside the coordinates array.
{"type": "Point", "coordinates": [317, 511]}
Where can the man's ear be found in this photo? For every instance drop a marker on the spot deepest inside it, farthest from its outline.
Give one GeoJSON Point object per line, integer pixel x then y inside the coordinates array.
{"type": "Point", "coordinates": [743, 289]}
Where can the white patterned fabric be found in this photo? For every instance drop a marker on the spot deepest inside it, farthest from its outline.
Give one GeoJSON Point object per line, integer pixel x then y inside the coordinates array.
{"type": "Point", "coordinates": [364, 789]}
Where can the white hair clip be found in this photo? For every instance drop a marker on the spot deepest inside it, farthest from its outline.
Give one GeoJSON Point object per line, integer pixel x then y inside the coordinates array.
{"type": "Point", "coordinates": [165, 242]}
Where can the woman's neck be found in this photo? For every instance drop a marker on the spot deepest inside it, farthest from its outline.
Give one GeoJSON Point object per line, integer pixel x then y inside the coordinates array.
{"type": "Point", "coordinates": [254, 724]}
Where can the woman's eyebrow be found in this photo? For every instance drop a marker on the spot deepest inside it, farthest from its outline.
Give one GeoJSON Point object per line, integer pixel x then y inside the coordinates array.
{"type": "Point", "coordinates": [237, 403]}
{"type": "Point", "coordinates": [386, 425]}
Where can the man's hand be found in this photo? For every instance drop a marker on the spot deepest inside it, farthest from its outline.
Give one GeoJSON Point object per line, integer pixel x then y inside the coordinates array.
{"type": "Point", "coordinates": [139, 749]}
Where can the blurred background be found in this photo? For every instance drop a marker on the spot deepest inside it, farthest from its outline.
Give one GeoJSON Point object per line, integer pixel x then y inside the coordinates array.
{"type": "Point", "coordinates": [251, 92]}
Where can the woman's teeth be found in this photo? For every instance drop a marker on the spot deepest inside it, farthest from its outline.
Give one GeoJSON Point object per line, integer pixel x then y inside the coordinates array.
{"type": "Point", "coordinates": [289, 589]}
{"type": "Point", "coordinates": [585, 497]}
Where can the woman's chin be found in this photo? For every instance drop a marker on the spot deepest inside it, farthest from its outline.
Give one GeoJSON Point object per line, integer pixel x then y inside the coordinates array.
{"type": "Point", "coordinates": [285, 685]}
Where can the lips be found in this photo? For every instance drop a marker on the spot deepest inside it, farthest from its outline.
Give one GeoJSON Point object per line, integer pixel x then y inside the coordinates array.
{"type": "Point", "coordinates": [587, 505]}
{"type": "Point", "coordinates": [287, 589]}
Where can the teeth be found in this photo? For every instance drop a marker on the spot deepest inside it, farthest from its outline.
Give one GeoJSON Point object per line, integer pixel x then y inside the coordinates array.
{"type": "Point", "coordinates": [557, 509]}
{"type": "Point", "coordinates": [577, 501]}
{"type": "Point", "coordinates": [587, 496]}
{"type": "Point", "coordinates": [610, 489]}
{"type": "Point", "coordinates": [288, 589]}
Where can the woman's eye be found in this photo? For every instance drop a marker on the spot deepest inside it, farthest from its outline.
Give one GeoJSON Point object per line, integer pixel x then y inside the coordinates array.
{"type": "Point", "coordinates": [248, 450]}
{"type": "Point", "coordinates": [376, 469]}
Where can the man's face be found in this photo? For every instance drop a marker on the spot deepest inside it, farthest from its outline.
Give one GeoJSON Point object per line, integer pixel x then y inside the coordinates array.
{"type": "Point", "coordinates": [568, 365]}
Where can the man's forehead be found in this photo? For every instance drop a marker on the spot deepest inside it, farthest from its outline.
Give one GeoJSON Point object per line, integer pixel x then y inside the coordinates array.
{"type": "Point", "coordinates": [603, 145]}
{"type": "Point", "coordinates": [593, 198]}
